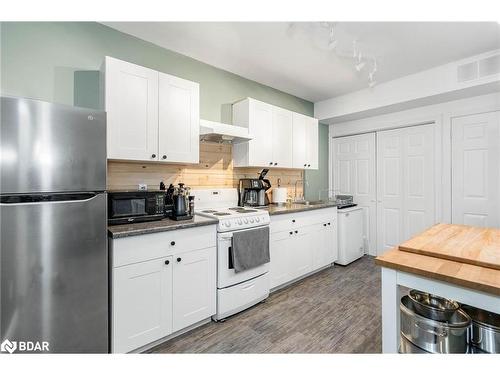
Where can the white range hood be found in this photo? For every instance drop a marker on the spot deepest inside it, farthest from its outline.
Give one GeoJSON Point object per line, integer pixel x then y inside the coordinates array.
{"type": "Point", "coordinates": [212, 131]}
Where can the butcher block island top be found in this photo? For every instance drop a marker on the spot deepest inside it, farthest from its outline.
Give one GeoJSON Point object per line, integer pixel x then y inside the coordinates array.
{"type": "Point", "coordinates": [463, 255]}
{"type": "Point", "coordinates": [460, 243]}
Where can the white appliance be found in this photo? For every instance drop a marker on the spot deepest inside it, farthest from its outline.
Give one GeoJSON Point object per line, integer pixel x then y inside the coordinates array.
{"type": "Point", "coordinates": [350, 234]}
{"type": "Point", "coordinates": [235, 291]}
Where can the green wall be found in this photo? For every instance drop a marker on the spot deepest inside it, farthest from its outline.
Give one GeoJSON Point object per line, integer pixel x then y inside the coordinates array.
{"type": "Point", "coordinates": [58, 62]}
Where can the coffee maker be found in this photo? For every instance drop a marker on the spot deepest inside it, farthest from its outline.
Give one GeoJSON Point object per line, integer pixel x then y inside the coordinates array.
{"type": "Point", "coordinates": [252, 191]}
{"type": "Point", "coordinates": [179, 198]}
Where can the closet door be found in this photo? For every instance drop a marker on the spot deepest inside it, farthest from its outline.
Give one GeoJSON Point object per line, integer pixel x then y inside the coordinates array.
{"type": "Point", "coordinates": [405, 184]}
{"type": "Point", "coordinates": [354, 174]}
{"type": "Point", "coordinates": [476, 170]}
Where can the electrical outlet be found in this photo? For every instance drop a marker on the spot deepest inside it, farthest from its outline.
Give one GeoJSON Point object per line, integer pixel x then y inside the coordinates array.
{"type": "Point", "coordinates": [143, 187]}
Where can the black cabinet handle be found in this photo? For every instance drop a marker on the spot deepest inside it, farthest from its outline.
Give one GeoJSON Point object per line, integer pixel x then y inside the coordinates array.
{"type": "Point", "coordinates": [305, 165]}
{"type": "Point", "coordinates": [164, 157]}
{"type": "Point", "coordinates": [308, 165]}
{"type": "Point", "coordinates": [293, 220]}
{"type": "Point", "coordinates": [324, 225]}
{"type": "Point", "coordinates": [271, 163]}
{"type": "Point", "coordinates": [291, 232]}
{"type": "Point", "coordinates": [167, 262]}
{"type": "Point", "coordinates": [153, 156]}
{"type": "Point", "coordinates": [179, 259]}
{"type": "Point", "coordinates": [275, 163]}
{"type": "Point", "coordinates": [172, 243]}
{"type": "Point", "coordinates": [296, 231]}
{"type": "Point", "coordinates": [328, 223]}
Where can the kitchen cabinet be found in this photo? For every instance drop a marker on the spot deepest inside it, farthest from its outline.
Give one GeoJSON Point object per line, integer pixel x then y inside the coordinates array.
{"type": "Point", "coordinates": [161, 283]}
{"type": "Point", "coordinates": [131, 103]}
{"type": "Point", "coordinates": [151, 116]}
{"type": "Point", "coordinates": [281, 138]}
{"type": "Point", "coordinates": [179, 119]}
{"type": "Point", "coordinates": [301, 243]}
{"type": "Point", "coordinates": [305, 142]}
{"type": "Point", "coordinates": [142, 303]}
{"type": "Point", "coordinates": [194, 287]}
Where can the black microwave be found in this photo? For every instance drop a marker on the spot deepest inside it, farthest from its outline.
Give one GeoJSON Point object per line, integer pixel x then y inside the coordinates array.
{"type": "Point", "coordinates": [135, 206]}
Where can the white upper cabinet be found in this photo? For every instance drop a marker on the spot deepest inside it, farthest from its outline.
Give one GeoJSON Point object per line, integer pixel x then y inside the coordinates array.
{"type": "Point", "coordinates": [151, 116]}
{"type": "Point", "coordinates": [179, 119]}
{"type": "Point", "coordinates": [282, 138]}
{"type": "Point", "coordinates": [131, 102]}
{"type": "Point", "coordinates": [274, 142]}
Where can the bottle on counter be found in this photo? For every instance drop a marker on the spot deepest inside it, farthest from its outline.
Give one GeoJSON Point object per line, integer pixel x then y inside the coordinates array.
{"type": "Point", "coordinates": [191, 205]}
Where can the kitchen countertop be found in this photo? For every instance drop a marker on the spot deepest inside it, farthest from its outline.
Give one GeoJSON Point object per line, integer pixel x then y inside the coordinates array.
{"type": "Point", "coordinates": [127, 230]}
{"type": "Point", "coordinates": [467, 275]}
{"type": "Point", "coordinates": [294, 207]}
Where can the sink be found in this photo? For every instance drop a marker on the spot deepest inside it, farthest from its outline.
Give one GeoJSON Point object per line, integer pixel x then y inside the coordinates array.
{"type": "Point", "coordinates": [309, 203]}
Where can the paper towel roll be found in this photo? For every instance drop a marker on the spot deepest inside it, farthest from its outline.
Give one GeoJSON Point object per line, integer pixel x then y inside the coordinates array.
{"type": "Point", "coordinates": [279, 195]}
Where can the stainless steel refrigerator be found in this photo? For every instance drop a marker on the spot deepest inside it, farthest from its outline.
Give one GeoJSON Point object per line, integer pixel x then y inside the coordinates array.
{"type": "Point", "coordinates": [53, 235]}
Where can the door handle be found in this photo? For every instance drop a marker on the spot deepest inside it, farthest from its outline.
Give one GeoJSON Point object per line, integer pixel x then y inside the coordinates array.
{"type": "Point", "coordinates": [248, 287]}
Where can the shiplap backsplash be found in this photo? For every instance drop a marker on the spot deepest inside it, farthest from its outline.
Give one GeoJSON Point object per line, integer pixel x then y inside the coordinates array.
{"type": "Point", "coordinates": [214, 170]}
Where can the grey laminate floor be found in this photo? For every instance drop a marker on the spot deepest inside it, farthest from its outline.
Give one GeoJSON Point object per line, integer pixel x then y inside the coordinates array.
{"type": "Point", "coordinates": [334, 311]}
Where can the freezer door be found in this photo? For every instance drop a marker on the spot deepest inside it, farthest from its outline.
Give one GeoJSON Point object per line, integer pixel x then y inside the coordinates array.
{"type": "Point", "coordinates": [47, 147]}
{"type": "Point", "coordinates": [54, 271]}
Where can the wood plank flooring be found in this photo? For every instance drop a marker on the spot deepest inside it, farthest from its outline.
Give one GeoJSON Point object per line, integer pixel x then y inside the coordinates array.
{"type": "Point", "coordinates": [334, 311]}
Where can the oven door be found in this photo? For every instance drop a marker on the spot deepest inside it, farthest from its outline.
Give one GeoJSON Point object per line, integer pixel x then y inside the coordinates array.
{"type": "Point", "coordinates": [226, 276]}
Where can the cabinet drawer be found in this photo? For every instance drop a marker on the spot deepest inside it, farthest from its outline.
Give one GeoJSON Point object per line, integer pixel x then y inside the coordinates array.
{"type": "Point", "coordinates": [287, 222]}
{"type": "Point", "coordinates": [135, 249]}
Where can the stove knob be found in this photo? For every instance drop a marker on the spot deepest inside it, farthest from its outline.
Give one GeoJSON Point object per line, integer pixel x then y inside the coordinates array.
{"type": "Point", "coordinates": [245, 220]}
{"type": "Point", "coordinates": [239, 222]}
{"type": "Point", "coordinates": [228, 224]}
{"type": "Point", "coordinates": [251, 219]}
{"type": "Point", "coordinates": [257, 219]}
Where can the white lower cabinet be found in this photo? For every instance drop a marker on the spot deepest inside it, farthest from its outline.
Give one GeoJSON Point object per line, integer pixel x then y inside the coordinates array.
{"type": "Point", "coordinates": [153, 297]}
{"type": "Point", "coordinates": [194, 287]}
{"type": "Point", "coordinates": [302, 243]}
{"type": "Point", "coordinates": [142, 303]}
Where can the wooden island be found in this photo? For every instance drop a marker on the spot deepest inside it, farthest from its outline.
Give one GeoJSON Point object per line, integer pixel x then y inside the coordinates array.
{"type": "Point", "coordinates": [458, 262]}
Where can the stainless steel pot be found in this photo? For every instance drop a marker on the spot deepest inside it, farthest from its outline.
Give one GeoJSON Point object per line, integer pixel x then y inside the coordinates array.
{"type": "Point", "coordinates": [485, 330]}
{"type": "Point", "coordinates": [434, 336]}
{"type": "Point", "coordinates": [406, 347]}
{"type": "Point", "coordinates": [431, 306]}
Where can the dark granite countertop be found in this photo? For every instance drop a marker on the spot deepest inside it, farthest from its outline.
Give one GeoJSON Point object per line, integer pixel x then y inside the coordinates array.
{"type": "Point", "coordinates": [127, 230]}
{"type": "Point", "coordinates": [294, 207]}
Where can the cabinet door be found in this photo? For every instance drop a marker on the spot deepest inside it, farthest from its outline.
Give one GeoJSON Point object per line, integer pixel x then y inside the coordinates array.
{"type": "Point", "coordinates": [301, 256]}
{"type": "Point", "coordinates": [311, 140]}
{"type": "Point", "coordinates": [194, 287]}
{"type": "Point", "coordinates": [131, 103]}
{"type": "Point", "coordinates": [280, 267]}
{"type": "Point", "coordinates": [476, 170]}
{"type": "Point", "coordinates": [282, 138]}
{"type": "Point", "coordinates": [324, 244]}
{"type": "Point", "coordinates": [179, 119]}
{"type": "Point", "coordinates": [142, 303]}
{"type": "Point", "coordinates": [260, 148]}
{"type": "Point", "coordinates": [299, 149]}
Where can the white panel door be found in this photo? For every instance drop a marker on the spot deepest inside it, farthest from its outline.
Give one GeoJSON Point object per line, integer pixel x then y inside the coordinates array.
{"type": "Point", "coordinates": [179, 119]}
{"type": "Point", "coordinates": [476, 170]}
{"type": "Point", "coordinates": [299, 150]}
{"type": "Point", "coordinates": [261, 128]}
{"type": "Point", "coordinates": [354, 173]}
{"type": "Point", "coordinates": [131, 103]}
{"type": "Point", "coordinates": [282, 138]}
{"type": "Point", "coordinates": [142, 303]}
{"type": "Point", "coordinates": [405, 184]}
{"type": "Point", "coordinates": [280, 250]}
{"type": "Point", "coordinates": [194, 287]}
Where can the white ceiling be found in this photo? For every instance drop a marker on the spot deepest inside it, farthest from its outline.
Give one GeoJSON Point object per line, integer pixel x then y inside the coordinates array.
{"type": "Point", "coordinates": [295, 58]}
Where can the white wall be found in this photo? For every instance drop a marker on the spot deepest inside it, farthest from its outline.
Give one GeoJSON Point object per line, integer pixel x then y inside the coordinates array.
{"type": "Point", "coordinates": [439, 84]}
{"type": "Point", "coordinates": [440, 114]}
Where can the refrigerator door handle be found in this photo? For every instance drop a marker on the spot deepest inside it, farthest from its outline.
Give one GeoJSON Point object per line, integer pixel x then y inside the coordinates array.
{"type": "Point", "coordinates": [20, 200]}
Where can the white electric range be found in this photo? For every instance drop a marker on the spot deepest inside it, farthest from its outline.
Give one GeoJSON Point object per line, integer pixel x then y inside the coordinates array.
{"type": "Point", "coordinates": [236, 291]}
